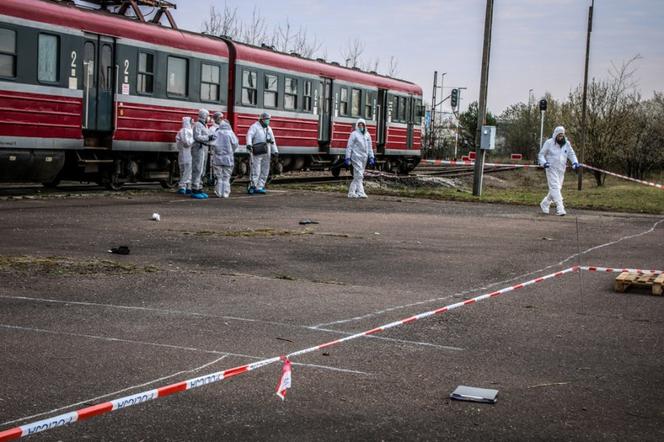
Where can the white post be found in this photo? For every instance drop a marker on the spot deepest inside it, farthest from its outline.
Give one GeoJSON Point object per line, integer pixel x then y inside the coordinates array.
{"type": "Point", "coordinates": [541, 130]}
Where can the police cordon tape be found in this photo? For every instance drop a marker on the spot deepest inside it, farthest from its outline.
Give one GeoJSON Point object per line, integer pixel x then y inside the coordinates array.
{"type": "Point", "coordinates": [534, 166]}
{"type": "Point", "coordinates": [647, 183]}
{"type": "Point", "coordinates": [145, 396]}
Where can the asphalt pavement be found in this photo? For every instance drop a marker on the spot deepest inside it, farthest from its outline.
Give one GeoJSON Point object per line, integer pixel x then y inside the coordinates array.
{"type": "Point", "coordinates": [220, 283]}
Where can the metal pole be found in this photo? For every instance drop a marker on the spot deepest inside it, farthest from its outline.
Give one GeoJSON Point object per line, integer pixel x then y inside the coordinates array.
{"type": "Point", "coordinates": [585, 95]}
{"type": "Point", "coordinates": [433, 112]}
{"type": "Point", "coordinates": [481, 113]}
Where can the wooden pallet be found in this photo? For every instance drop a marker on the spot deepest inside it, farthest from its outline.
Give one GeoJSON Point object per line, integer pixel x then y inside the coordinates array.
{"type": "Point", "coordinates": [626, 280]}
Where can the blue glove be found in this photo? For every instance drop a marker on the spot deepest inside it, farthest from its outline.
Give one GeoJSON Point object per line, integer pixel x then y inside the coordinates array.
{"type": "Point", "coordinates": [212, 137]}
{"type": "Point", "coordinates": [372, 162]}
{"type": "Point", "coordinates": [347, 162]}
{"type": "Point", "coordinates": [575, 166]}
{"type": "Point", "coordinates": [546, 165]}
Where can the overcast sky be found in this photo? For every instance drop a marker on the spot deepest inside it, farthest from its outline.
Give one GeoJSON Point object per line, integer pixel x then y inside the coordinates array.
{"type": "Point", "coordinates": [537, 44]}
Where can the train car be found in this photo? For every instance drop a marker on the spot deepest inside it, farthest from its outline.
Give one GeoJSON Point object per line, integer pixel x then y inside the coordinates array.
{"type": "Point", "coordinates": [95, 96]}
{"type": "Point", "coordinates": [315, 105]}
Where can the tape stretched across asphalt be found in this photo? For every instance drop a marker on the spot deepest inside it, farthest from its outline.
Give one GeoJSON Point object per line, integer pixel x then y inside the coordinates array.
{"type": "Point", "coordinates": [139, 398]}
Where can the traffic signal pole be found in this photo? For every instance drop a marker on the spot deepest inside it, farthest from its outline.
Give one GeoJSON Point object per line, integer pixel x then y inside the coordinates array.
{"type": "Point", "coordinates": [481, 114]}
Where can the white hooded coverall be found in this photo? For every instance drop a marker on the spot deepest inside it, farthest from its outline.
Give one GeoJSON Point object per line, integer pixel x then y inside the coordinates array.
{"type": "Point", "coordinates": [200, 148]}
{"type": "Point", "coordinates": [223, 160]}
{"type": "Point", "coordinates": [184, 140]}
{"type": "Point", "coordinates": [557, 157]}
{"type": "Point", "coordinates": [359, 150]}
{"type": "Point", "coordinates": [260, 164]}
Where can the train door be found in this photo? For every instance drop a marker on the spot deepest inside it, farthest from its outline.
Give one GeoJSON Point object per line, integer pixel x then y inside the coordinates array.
{"type": "Point", "coordinates": [410, 121]}
{"type": "Point", "coordinates": [98, 83]}
{"type": "Point", "coordinates": [381, 121]}
{"type": "Point", "coordinates": [325, 114]}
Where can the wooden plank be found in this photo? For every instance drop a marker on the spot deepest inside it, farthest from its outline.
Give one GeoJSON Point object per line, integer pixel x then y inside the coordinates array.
{"type": "Point", "coordinates": [657, 285]}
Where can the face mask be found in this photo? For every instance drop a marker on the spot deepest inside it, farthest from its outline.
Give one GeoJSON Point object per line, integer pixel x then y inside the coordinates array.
{"type": "Point", "coordinates": [561, 141]}
{"type": "Point", "coordinates": [362, 129]}
{"type": "Point", "coordinates": [266, 123]}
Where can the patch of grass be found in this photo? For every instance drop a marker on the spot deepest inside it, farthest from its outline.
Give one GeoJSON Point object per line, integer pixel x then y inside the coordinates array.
{"type": "Point", "coordinates": [528, 187]}
{"type": "Point", "coordinates": [285, 277]}
{"type": "Point", "coordinates": [58, 265]}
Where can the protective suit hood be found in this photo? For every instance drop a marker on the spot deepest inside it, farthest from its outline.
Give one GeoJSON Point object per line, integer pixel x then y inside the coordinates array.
{"type": "Point", "coordinates": [186, 122]}
{"type": "Point", "coordinates": [224, 125]}
{"type": "Point", "coordinates": [558, 130]}
{"type": "Point", "coordinates": [203, 115]}
{"type": "Point", "coordinates": [360, 121]}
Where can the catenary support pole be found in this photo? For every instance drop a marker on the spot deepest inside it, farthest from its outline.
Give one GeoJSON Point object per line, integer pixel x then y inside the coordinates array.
{"type": "Point", "coordinates": [481, 111]}
{"type": "Point", "coordinates": [582, 152]}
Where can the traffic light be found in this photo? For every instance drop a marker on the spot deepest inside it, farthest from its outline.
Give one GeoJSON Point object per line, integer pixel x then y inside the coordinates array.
{"type": "Point", "coordinates": [454, 98]}
{"type": "Point", "coordinates": [542, 104]}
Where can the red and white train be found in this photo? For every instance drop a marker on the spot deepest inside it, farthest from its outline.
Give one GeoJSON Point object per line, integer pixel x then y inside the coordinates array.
{"type": "Point", "coordinates": [96, 96]}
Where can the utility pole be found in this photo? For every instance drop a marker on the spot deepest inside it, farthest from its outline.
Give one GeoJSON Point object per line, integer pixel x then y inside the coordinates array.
{"type": "Point", "coordinates": [585, 95]}
{"type": "Point", "coordinates": [481, 112]}
{"type": "Point", "coordinates": [432, 124]}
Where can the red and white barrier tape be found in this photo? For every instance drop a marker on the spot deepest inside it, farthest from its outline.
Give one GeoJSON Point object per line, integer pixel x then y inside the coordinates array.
{"type": "Point", "coordinates": [587, 166]}
{"type": "Point", "coordinates": [472, 163]}
{"type": "Point", "coordinates": [127, 401]}
{"type": "Point", "coordinates": [285, 380]}
{"type": "Point", "coordinates": [616, 270]}
{"type": "Point", "coordinates": [647, 183]}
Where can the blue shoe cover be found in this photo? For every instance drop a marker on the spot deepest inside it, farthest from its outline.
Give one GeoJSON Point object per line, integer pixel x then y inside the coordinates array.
{"type": "Point", "coordinates": [261, 190]}
{"type": "Point", "coordinates": [181, 191]}
{"type": "Point", "coordinates": [251, 190]}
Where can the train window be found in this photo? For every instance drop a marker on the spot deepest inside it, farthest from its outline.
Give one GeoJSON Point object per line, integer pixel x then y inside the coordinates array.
{"type": "Point", "coordinates": [402, 108]}
{"type": "Point", "coordinates": [145, 73]}
{"type": "Point", "coordinates": [343, 107]}
{"type": "Point", "coordinates": [48, 58]}
{"type": "Point", "coordinates": [177, 76]}
{"type": "Point", "coordinates": [106, 73]}
{"type": "Point", "coordinates": [355, 101]}
{"type": "Point", "coordinates": [368, 107]}
{"type": "Point", "coordinates": [270, 91]}
{"type": "Point", "coordinates": [209, 82]}
{"type": "Point", "coordinates": [290, 94]}
{"type": "Point", "coordinates": [7, 53]}
{"type": "Point", "coordinates": [249, 88]}
{"type": "Point", "coordinates": [307, 96]}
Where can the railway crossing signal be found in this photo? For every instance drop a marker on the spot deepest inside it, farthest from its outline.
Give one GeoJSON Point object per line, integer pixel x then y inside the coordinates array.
{"type": "Point", "coordinates": [454, 98]}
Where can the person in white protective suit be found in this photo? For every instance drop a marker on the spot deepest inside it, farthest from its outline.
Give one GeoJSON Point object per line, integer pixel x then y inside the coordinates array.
{"type": "Point", "coordinates": [223, 158]}
{"type": "Point", "coordinates": [184, 140]}
{"type": "Point", "coordinates": [553, 157]}
{"type": "Point", "coordinates": [261, 145]}
{"type": "Point", "coordinates": [358, 151]}
{"type": "Point", "coordinates": [202, 139]}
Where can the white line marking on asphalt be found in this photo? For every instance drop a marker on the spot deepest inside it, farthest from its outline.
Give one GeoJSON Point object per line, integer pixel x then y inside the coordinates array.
{"type": "Point", "coordinates": [227, 318]}
{"type": "Point", "coordinates": [477, 289]}
{"type": "Point", "coordinates": [95, 399]}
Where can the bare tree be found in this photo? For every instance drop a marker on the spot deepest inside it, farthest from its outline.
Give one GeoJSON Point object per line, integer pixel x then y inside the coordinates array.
{"type": "Point", "coordinates": [612, 107]}
{"type": "Point", "coordinates": [304, 45]}
{"type": "Point", "coordinates": [224, 23]}
{"type": "Point", "coordinates": [256, 31]}
{"type": "Point", "coordinates": [393, 67]}
{"type": "Point", "coordinates": [353, 52]}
